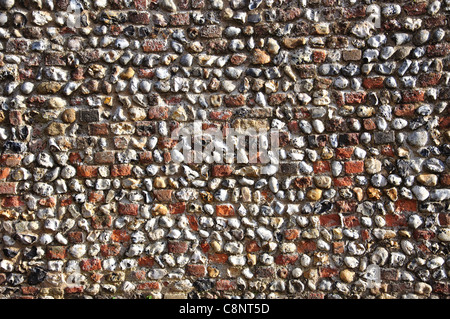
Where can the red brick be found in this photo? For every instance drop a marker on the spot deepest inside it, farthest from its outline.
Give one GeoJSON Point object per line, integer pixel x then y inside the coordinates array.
{"type": "Point", "coordinates": [146, 73]}
{"type": "Point", "coordinates": [96, 197]}
{"type": "Point", "coordinates": [444, 219]}
{"type": "Point", "coordinates": [120, 235]}
{"type": "Point", "coordinates": [252, 247]}
{"type": "Point", "coordinates": [139, 275]}
{"type": "Point", "coordinates": [355, 12]}
{"type": "Point", "coordinates": [218, 258]}
{"type": "Point", "coordinates": [376, 82]}
{"type": "Point", "coordinates": [234, 100]}
{"type": "Point", "coordinates": [315, 295]}
{"type": "Point", "coordinates": [178, 247]}
{"type": "Point", "coordinates": [15, 117]}
{"type": "Point", "coordinates": [128, 209]}
{"type": "Point", "coordinates": [393, 220]}
{"type": "Point", "coordinates": [330, 220]}
{"type": "Point", "coordinates": [179, 19]}
{"type": "Point", "coordinates": [75, 158]}
{"type": "Point", "coordinates": [354, 167]}
{"type": "Point", "coordinates": [221, 170]}
{"type": "Point", "coordinates": [140, 4]}
{"type": "Point", "coordinates": [108, 250]}
{"type": "Point", "coordinates": [305, 246]}
{"type": "Point", "coordinates": [139, 17]}
{"type": "Point", "coordinates": [413, 96]}
{"type": "Point", "coordinates": [163, 195]}
{"type": "Point", "coordinates": [29, 290]}
{"type": "Point", "coordinates": [293, 127]}
{"type": "Point", "coordinates": [48, 202]}
{"type": "Point", "coordinates": [12, 201]}
{"type": "Point", "coordinates": [87, 171]}
{"type": "Point", "coordinates": [224, 210]}
{"type": "Point", "coordinates": [145, 157]}
{"type": "Point", "coordinates": [286, 259]}
{"type": "Point", "coordinates": [406, 205]}
{"type": "Point", "coordinates": [351, 221]}
{"type": "Point", "coordinates": [193, 223]}
{"type": "Point", "coordinates": [369, 124]}
{"type": "Point", "coordinates": [146, 261]}
{"type": "Point", "coordinates": [343, 181]}
{"type": "Point", "coordinates": [404, 110]}
{"type": "Point", "coordinates": [205, 246]}
{"type": "Point", "coordinates": [11, 160]}
{"type": "Point", "coordinates": [344, 152]}
{"type": "Point", "coordinates": [220, 115]}
{"type": "Point", "coordinates": [151, 285]}
{"type": "Point", "coordinates": [8, 188]}
{"type": "Point", "coordinates": [74, 290]}
{"type": "Point", "coordinates": [365, 235]}
{"type": "Point", "coordinates": [198, 4]}
{"type": "Point", "coordinates": [121, 170]}
{"type": "Point", "coordinates": [56, 252]}
{"type": "Point", "coordinates": [238, 59]}
{"type": "Point", "coordinates": [355, 97]}
{"type": "Point", "coordinates": [196, 270]}
{"type": "Point", "coordinates": [423, 234]}
{"type": "Point", "coordinates": [428, 79]}
{"type": "Point", "coordinates": [387, 150]}
{"type": "Point", "coordinates": [390, 274]}
{"type": "Point", "coordinates": [321, 167]}
{"type": "Point", "coordinates": [98, 129]}
{"type": "Point", "coordinates": [291, 234]}
{"type": "Point", "coordinates": [96, 276]}
{"type": "Point", "coordinates": [177, 208]}
{"type": "Point", "coordinates": [327, 272]}
{"type": "Point", "coordinates": [303, 182]}
{"type": "Point", "coordinates": [101, 221]}
{"type": "Point", "coordinates": [91, 264]}
{"type": "Point", "coordinates": [338, 247]}
{"type": "Point", "coordinates": [319, 56]}
{"type": "Point", "coordinates": [75, 237]}
{"type": "Point", "coordinates": [106, 157]}
{"type": "Point", "coordinates": [154, 45]}
{"type": "Point", "coordinates": [415, 8]}
{"type": "Point", "coordinates": [265, 272]}
{"type": "Point", "coordinates": [345, 206]}
{"type": "Point", "coordinates": [441, 288]}
{"type": "Point", "coordinates": [444, 122]}
{"type": "Point", "coordinates": [65, 200]}
{"type": "Point", "coordinates": [438, 50]}
{"type": "Point", "coordinates": [224, 284]}
{"type": "Point", "coordinates": [4, 172]}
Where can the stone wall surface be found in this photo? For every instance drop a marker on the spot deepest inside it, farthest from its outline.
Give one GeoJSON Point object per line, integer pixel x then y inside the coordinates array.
{"type": "Point", "coordinates": [100, 199]}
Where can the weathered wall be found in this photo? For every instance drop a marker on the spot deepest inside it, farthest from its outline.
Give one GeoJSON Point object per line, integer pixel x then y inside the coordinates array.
{"type": "Point", "coordinates": [94, 201]}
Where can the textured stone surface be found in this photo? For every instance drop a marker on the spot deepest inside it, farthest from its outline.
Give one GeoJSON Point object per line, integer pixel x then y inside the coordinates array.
{"type": "Point", "coordinates": [100, 198]}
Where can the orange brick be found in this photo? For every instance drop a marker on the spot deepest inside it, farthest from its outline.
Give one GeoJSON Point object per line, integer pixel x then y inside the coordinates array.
{"type": "Point", "coordinates": [121, 170]}
{"type": "Point", "coordinates": [354, 167]}
{"type": "Point", "coordinates": [120, 235]}
{"type": "Point", "coordinates": [224, 210]}
{"type": "Point", "coordinates": [218, 258]}
{"type": "Point", "coordinates": [87, 171]}
{"type": "Point", "coordinates": [4, 172]}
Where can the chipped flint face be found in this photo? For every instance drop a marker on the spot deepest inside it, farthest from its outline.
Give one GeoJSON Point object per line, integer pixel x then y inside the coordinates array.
{"type": "Point", "coordinates": [374, 17]}
{"type": "Point", "coordinates": [197, 145]}
{"type": "Point", "coordinates": [74, 17]}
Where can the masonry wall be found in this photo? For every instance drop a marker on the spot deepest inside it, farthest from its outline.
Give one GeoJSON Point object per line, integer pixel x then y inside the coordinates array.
{"type": "Point", "coordinates": [97, 200]}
